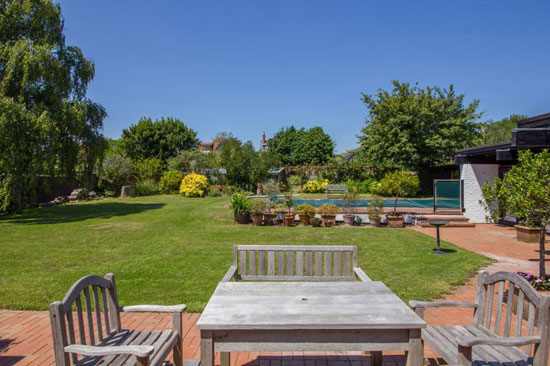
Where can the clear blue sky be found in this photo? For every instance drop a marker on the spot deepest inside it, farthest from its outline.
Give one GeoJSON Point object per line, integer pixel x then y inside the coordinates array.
{"type": "Point", "coordinates": [253, 66]}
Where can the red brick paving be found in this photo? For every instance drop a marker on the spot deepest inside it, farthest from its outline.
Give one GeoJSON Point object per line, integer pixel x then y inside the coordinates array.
{"type": "Point", "coordinates": [25, 337]}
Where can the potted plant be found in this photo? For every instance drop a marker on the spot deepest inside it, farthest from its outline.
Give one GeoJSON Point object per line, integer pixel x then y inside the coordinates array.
{"type": "Point", "coordinates": [240, 206]}
{"type": "Point", "coordinates": [306, 213]}
{"type": "Point", "coordinates": [398, 184]}
{"type": "Point", "coordinates": [315, 222]}
{"type": "Point", "coordinates": [288, 218]}
{"type": "Point", "coordinates": [374, 209]}
{"type": "Point", "coordinates": [257, 207]}
{"type": "Point", "coordinates": [349, 200]}
{"type": "Point", "coordinates": [270, 189]}
{"type": "Point", "coordinates": [523, 192]}
{"type": "Point", "coordinates": [328, 213]}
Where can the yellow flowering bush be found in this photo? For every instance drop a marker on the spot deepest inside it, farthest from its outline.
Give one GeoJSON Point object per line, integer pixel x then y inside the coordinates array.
{"type": "Point", "coordinates": [315, 186]}
{"type": "Point", "coordinates": [194, 185]}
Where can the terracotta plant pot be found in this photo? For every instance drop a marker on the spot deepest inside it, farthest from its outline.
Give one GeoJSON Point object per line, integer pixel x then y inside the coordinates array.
{"type": "Point", "coordinates": [257, 219]}
{"type": "Point", "coordinates": [270, 219]}
{"type": "Point", "coordinates": [305, 219]}
{"type": "Point", "coordinates": [348, 219]}
{"type": "Point", "coordinates": [527, 234]}
{"type": "Point", "coordinates": [242, 218]}
{"type": "Point", "coordinates": [374, 221]}
{"type": "Point", "coordinates": [330, 219]}
{"type": "Point", "coordinates": [395, 221]}
{"type": "Point", "coordinates": [288, 220]}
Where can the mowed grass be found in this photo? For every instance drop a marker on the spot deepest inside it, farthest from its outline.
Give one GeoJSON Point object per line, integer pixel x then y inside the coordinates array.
{"type": "Point", "coordinates": [170, 250]}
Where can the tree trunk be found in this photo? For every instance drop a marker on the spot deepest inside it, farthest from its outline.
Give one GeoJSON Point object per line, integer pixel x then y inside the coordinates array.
{"type": "Point", "coordinates": [542, 254]}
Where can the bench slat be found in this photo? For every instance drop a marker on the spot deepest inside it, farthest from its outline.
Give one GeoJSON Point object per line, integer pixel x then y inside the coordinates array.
{"type": "Point", "coordinates": [261, 262]}
{"type": "Point", "coordinates": [328, 264]}
{"type": "Point", "coordinates": [252, 262]}
{"type": "Point", "coordinates": [318, 263]}
{"type": "Point", "coordinates": [280, 263]}
{"type": "Point", "coordinates": [299, 263]}
{"type": "Point", "coordinates": [290, 263]}
{"type": "Point", "coordinates": [499, 307]}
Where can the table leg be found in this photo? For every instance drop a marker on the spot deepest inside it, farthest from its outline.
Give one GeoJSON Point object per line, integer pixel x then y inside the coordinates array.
{"type": "Point", "coordinates": [415, 356]}
{"type": "Point", "coordinates": [207, 348]}
{"type": "Point", "coordinates": [225, 358]}
{"type": "Point", "coordinates": [376, 358]}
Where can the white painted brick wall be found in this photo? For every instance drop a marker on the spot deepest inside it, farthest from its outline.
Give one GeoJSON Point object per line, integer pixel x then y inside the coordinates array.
{"type": "Point", "coordinates": [475, 176]}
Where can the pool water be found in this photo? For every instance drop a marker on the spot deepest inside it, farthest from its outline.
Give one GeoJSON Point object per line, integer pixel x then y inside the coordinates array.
{"type": "Point", "coordinates": [403, 202]}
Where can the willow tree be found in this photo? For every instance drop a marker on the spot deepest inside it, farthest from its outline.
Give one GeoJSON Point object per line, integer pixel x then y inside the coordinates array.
{"type": "Point", "coordinates": [48, 124]}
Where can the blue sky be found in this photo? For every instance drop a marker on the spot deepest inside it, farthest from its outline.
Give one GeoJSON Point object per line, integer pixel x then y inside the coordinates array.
{"type": "Point", "coordinates": [252, 66]}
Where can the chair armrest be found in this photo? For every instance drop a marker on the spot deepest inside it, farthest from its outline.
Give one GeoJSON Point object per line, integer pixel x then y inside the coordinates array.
{"type": "Point", "coordinates": [361, 275]}
{"type": "Point", "coordinates": [139, 351]}
{"type": "Point", "coordinates": [469, 341]}
{"type": "Point", "coordinates": [231, 273]}
{"type": "Point", "coordinates": [154, 308]}
{"type": "Point", "coordinates": [441, 304]}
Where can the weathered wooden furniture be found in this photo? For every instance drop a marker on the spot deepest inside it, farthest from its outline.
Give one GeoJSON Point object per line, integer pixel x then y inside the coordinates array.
{"type": "Point", "coordinates": [504, 330]}
{"type": "Point", "coordinates": [100, 338]}
{"type": "Point", "coordinates": [295, 263]}
{"type": "Point", "coordinates": [336, 189]}
{"type": "Point", "coordinates": [308, 316]}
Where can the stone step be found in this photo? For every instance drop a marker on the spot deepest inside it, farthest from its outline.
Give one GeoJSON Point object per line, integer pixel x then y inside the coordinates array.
{"type": "Point", "coordinates": [451, 224]}
{"type": "Point", "coordinates": [448, 212]}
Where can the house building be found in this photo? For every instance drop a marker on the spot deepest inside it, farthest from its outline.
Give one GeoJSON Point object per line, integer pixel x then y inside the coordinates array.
{"type": "Point", "coordinates": [207, 147]}
{"type": "Point", "coordinates": [482, 164]}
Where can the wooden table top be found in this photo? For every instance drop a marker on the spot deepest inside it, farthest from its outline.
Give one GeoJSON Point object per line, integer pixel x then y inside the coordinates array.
{"type": "Point", "coordinates": [306, 305]}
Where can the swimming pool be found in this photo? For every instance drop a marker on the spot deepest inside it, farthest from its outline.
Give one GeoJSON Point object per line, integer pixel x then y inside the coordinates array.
{"type": "Point", "coordinates": [403, 202]}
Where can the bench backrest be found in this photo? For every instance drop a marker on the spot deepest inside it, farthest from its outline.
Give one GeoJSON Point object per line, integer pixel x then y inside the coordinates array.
{"type": "Point", "coordinates": [340, 188]}
{"type": "Point", "coordinates": [509, 306]}
{"type": "Point", "coordinates": [96, 319]}
{"type": "Point", "coordinates": [295, 263]}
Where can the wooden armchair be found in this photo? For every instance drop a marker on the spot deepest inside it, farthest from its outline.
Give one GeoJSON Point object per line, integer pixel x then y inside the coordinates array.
{"type": "Point", "coordinates": [511, 332]}
{"type": "Point", "coordinates": [295, 263]}
{"type": "Point", "coordinates": [100, 339]}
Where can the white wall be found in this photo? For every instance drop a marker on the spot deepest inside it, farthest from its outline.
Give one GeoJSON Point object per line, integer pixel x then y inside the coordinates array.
{"type": "Point", "coordinates": [475, 176]}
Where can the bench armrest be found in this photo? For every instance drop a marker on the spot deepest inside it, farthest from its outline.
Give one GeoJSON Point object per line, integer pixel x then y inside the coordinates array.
{"type": "Point", "coordinates": [441, 304]}
{"type": "Point", "coordinates": [138, 351]}
{"type": "Point", "coordinates": [361, 275]}
{"type": "Point", "coordinates": [154, 308]}
{"type": "Point", "coordinates": [467, 341]}
{"type": "Point", "coordinates": [231, 273]}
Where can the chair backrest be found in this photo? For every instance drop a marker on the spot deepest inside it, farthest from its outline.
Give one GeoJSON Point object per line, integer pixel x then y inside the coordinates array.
{"type": "Point", "coordinates": [98, 318]}
{"type": "Point", "coordinates": [510, 307]}
{"type": "Point", "coordinates": [295, 263]}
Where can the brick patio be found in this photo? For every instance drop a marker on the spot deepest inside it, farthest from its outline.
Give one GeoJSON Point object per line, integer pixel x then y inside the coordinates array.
{"type": "Point", "coordinates": [25, 337]}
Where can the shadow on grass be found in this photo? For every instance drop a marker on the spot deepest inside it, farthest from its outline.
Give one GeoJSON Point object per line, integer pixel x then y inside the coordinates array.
{"type": "Point", "coordinates": [78, 212]}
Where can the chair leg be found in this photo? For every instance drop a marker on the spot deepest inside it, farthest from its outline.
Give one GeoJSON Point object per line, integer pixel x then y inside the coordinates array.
{"type": "Point", "coordinates": [376, 358]}
{"type": "Point", "coordinates": [464, 355]}
{"type": "Point", "coordinates": [177, 353]}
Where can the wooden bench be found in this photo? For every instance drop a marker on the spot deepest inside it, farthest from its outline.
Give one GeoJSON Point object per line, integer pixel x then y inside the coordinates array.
{"type": "Point", "coordinates": [336, 189]}
{"type": "Point", "coordinates": [295, 263]}
{"type": "Point", "coordinates": [100, 340]}
{"type": "Point", "coordinates": [515, 331]}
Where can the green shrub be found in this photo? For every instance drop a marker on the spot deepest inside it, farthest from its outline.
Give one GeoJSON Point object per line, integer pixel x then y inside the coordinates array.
{"type": "Point", "coordinates": [114, 173]}
{"type": "Point", "coordinates": [145, 188]}
{"type": "Point", "coordinates": [400, 184]}
{"type": "Point", "coordinates": [362, 186]}
{"type": "Point", "coordinates": [148, 169]}
{"type": "Point", "coordinates": [170, 181]}
{"type": "Point", "coordinates": [328, 210]}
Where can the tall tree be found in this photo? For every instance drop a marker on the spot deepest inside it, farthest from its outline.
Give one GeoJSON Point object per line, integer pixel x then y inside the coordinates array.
{"type": "Point", "coordinates": [415, 129]}
{"type": "Point", "coordinates": [499, 131]}
{"type": "Point", "coordinates": [48, 124]}
{"type": "Point", "coordinates": [298, 147]}
{"type": "Point", "coordinates": [162, 139]}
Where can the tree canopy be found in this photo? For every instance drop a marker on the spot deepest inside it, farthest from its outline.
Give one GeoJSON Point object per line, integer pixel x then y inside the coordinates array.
{"type": "Point", "coordinates": [245, 167]}
{"type": "Point", "coordinates": [301, 146]}
{"type": "Point", "coordinates": [162, 139]}
{"type": "Point", "coordinates": [48, 124]}
{"type": "Point", "coordinates": [499, 131]}
{"type": "Point", "coordinates": [415, 129]}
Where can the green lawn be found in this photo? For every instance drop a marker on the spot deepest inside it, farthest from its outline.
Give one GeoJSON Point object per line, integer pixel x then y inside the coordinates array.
{"type": "Point", "coordinates": [169, 250]}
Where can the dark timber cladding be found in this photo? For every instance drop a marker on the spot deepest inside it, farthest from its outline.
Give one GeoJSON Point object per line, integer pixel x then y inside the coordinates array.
{"type": "Point", "coordinates": [532, 133]}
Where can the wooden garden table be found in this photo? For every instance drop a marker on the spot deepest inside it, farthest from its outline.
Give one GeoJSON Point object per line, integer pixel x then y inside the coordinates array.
{"type": "Point", "coordinates": [308, 316]}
